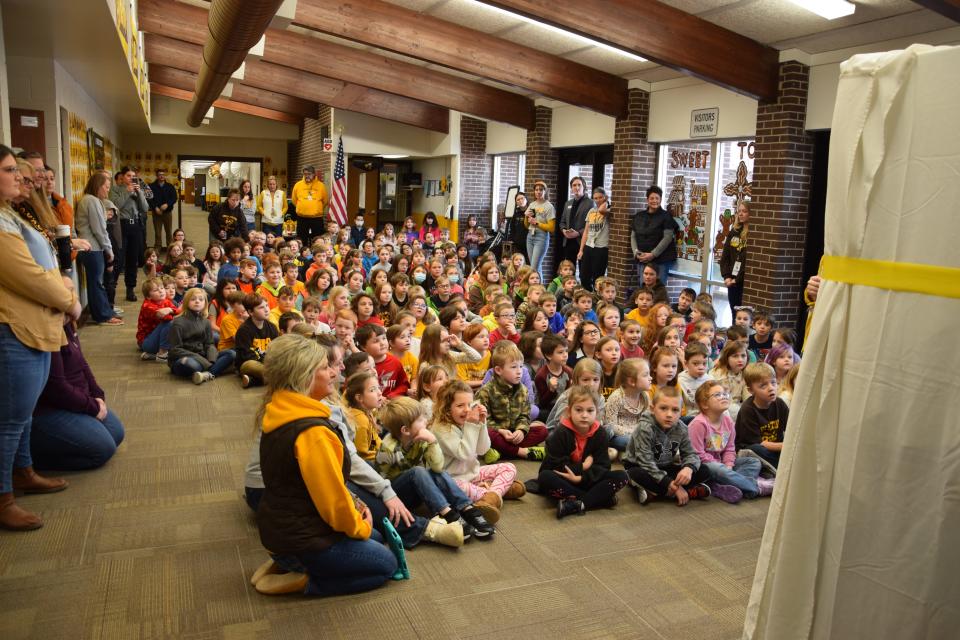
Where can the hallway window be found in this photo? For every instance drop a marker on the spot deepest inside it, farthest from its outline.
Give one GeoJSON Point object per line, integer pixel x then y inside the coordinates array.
{"type": "Point", "coordinates": [508, 169]}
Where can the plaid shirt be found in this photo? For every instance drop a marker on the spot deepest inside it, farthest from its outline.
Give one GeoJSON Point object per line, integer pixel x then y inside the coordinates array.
{"type": "Point", "coordinates": [508, 406]}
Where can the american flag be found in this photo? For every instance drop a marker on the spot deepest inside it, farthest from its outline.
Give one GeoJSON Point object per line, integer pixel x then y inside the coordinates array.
{"type": "Point", "coordinates": [338, 201]}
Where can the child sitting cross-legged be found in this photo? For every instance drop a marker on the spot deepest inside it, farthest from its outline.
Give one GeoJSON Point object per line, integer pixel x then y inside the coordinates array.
{"type": "Point", "coordinates": [576, 469]}
{"type": "Point", "coordinates": [508, 405]}
{"type": "Point", "coordinates": [762, 420]}
{"type": "Point", "coordinates": [153, 324]}
{"type": "Point", "coordinates": [362, 395]}
{"type": "Point", "coordinates": [587, 373]}
{"type": "Point", "coordinates": [412, 460]}
{"type": "Point", "coordinates": [459, 424]}
{"type": "Point", "coordinates": [193, 351]}
{"type": "Point", "coordinates": [712, 436]}
{"type": "Point", "coordinates": [286, 303]}
{"type": "Point", "coordinates": [659, 459]}
{"type": "Point", "coordinates": [253, 338]}
{"type": "Point", "coordinates": [626, 404]}
{"type": "Point", "coordinates": [694, 374]}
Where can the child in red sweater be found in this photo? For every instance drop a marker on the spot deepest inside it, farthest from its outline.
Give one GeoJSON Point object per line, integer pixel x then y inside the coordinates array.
{"type": "Point", "coordinates": [372, 338]}
{"type": "Point", "coordinates": [153, 323]}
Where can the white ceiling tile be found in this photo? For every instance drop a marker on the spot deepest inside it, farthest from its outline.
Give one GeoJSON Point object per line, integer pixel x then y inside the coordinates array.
{"type": "Point", "coordinates": [656, 74]}
{"type": "Point", "coordinates": [606, 60]}
{"type": "Point", "coordinates": [913, 24]}
{"type": "Point", "coordinates": [698, 6]}
{"type": "Point", "coordinates": [537, 37]}
{"type": "Point", "coordinates": [416, 5]}
{"type": "Point", "coordinates": [476, 16]}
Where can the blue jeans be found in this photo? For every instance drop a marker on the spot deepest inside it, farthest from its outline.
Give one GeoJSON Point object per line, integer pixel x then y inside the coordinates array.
{"type": "Point", "coordinates": [100, 308]}
{"type": "Point", "coordinates": [410, 535]}
{"type": "Point", "coordinates": [773, 457]}
{"type": "Point", "coordinates": [537, 243]}
{"type": "Point", "coordinates": [438, 490]}
{"type": "Point", "coordinates": [186, 366]}
{"type": "Point", "coordinates": [275, 229]}
{"type": "Point", "coordinates": [23, 374]}
{"type": "Point", "coordinates": [70, 441]}
{"type": "Point", "coordinates": [157, 339]}
{"type": "Point", "coordinates": [743, 475]}
{"type": "Point", "coordinates": [619, 442]}
{"type": "Point", "coordinates": [347, 566]}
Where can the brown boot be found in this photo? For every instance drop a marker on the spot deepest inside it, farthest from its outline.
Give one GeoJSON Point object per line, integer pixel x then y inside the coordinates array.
{"type": "Point", "coordinates": [516, 491]}
{"type": "Point", "coordinates": [489, 505]}
{"type": "Point", "coordinates": [14, 517]}
{"type": "Point", "coordinates": [27, 480]}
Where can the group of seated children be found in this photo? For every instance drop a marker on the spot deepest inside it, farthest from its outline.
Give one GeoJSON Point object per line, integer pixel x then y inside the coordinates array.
{"type": "Point", "coordinates": [499, 365]}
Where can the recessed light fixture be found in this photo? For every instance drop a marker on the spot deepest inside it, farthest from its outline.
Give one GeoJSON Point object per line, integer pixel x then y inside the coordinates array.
{"type": "Point", "coordinates": [570, 34]}
{"type": "Point", "coordinates": [394, 156]}
{"type": "Point", "coordinates": [829, 9]}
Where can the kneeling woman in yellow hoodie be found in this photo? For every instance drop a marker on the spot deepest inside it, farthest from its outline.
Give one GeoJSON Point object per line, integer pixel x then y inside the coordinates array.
{"type": "Point", "coordinates": [319, 535]}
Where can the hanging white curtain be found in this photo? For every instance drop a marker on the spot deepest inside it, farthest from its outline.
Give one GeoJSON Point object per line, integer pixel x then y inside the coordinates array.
{"type": "Point", "coordinates": [863, 535]}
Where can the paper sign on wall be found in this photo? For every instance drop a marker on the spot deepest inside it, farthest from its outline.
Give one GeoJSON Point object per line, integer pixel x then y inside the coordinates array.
{"type": "Point", "coordinates": [704, 123]}
{"type": "Point", "coordinates": [328, 144]}
{"type": "Point", "coordinates": [29, 121]}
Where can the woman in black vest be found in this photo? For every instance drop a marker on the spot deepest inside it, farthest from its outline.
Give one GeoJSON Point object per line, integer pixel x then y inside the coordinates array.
{"type": "Point", "coordinates": [652, 237]}
{"type": "Point", "coordinates": [734, 256]}
{"type": "Point", "coordinates": [315, 528]}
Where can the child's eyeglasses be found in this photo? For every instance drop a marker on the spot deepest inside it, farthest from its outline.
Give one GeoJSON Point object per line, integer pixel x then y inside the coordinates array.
{"type": "Point", "coordinates": [719, 395]}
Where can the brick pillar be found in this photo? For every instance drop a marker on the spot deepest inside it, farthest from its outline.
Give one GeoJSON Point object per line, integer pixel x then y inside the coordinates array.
{"type": "Point", "coordinates": [310, 150]}
{"type": "Point", "coordinates": [781, 187]}
{"type": "Point", "coordinates": [634, 170]}
{"type": "Point", "coordinates": [542, 164]}
{"type": "Point", "coordinates": [476, 172]}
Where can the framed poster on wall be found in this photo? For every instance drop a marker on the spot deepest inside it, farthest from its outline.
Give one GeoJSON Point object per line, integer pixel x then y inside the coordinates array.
{"type": "Point", "coordinates": [95, 147]}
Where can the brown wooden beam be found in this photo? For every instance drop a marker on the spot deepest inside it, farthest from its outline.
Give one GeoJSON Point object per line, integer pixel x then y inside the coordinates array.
{"type": "Point", "coordinates": [172, 54]}
{"type": "Point", "coordinates": [395, 28]}
{"type": "Point", "coordinates": [223, 103]}
{"type": "Point", "coordinates": [345, 63]}
{"type": "Point", "coordinates": [667, 36]}
{"type": "Point", "coordinates": [947, 8]}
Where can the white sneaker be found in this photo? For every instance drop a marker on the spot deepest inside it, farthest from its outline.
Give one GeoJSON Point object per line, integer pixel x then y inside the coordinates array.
{"type": "Point", "coordinates": [148, 356]}
{"type": "Point", "coordinates": [202, 376]}
{"type": "Point", "coordinates": [117, 311]}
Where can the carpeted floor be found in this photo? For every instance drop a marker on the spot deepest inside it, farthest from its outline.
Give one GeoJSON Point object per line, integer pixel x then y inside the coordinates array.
{"type": "Point", "coordinates": [159, 543]}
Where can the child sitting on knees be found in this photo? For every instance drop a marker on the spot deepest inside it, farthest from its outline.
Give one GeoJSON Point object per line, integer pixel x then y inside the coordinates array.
{"type": "Point", "coordinates": [762, 420]}
{"type": "Point", "coordinates": [659, 459]}
{"type": "Point", "coordinates": [576, 469]}
{"type": "Point", "coordinates": [193, 351]}
{"type": "Point", "coordinates": [458, 423]}
{"type": "Point", "coordinates": [712, 436]}
{"type": "Point", "coordinates": [411, 459]}
{"type": "Point", "coordinates": [153, 324]}
{"type": "Point", "coordinates": [506, 400]}
{"type": "Point", "coordinates": [363, 397]}
{"type": "Point", "coordinates": [626, 404]}
{"type": "Point", "coordinates": [253, 338]}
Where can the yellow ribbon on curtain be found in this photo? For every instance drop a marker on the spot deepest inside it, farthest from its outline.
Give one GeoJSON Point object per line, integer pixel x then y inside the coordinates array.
{"type": "Point", "coordinates": [943, 282]}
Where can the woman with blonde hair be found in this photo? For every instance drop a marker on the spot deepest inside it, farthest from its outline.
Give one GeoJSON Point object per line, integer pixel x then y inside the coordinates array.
{"type": "Point", "coordinates": [317, 531]}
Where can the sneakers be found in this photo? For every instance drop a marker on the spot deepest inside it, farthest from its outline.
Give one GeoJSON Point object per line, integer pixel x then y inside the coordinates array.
{"type": "Point", "coordinates": [699, 492]}
{"type": "Point", "coordinates": [516, 491]}
{"type": "Point", "coordinates": [489, 506]}
{"type": "Point", "coordinates": [161, 357]}
{"type": "Point", "coordinates": [117, 311]}
{"type": "Point", "coordinates": [202, 376]}
{"type": "Point", "coordinates": [482, 530]}
{"type": "Point", "coordinates": [612, 453]}
{"type": "Point", "coordinates": [491, 456]}
{"type": "Point", "coordinates": [147, 357]}
{"type": "Point", "coordinates": [726, 492]}
{"type": "Point", "coordinates": [570, 507]}
{"type": "Point", "coordinates": [536, 453]}
{"type": "Point", "coordinates": [439, 531]}
{"type": "Point", "coordinates": [643, 497]}
{"type": "Point", "coordinates": [767, 470]}
{"type": "Point", "coordinates": [766, 486]}
{"type": "Point", "coordinates": [245, 381]}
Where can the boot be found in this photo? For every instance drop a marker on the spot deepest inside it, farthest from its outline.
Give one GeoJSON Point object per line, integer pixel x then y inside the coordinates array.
{"type": "Point", "coordinates": [275, 584]}
{"type": "Point", "coordinates": [440, 531]}
{"type": "Point", "coordinates": [489, 505]}
{"type": "Point", "coordinates": [131, 296]}
{"type": "Point", "coordinates": [14, 517]}
{"type": "Point", "coordinates": [516, 491]}
{"type": "Point", "coordinates": [27, 480]}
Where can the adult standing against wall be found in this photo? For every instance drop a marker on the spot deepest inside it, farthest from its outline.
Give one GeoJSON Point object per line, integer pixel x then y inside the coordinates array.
{"type": "Point", "coordinates": [162, 204]}
{"type": "Point", "coordinates": [595, 240]}
{"type": "Point", "coordinates": [734, 255]}
{"type": "Point", "coordinates": [33, 300]}
{"type": "Point", "coordinates": [91, 220]}
{"type": "Point", "coordinates": [309, 198]}
{"type": "Point", "coordinates": [248, 206]}
{"type": "Point", "coordinates": [518, 230]}
{"type": "Point", "coordinates": [573, 219]}
{"type": "Point", "coordinates": [272, 207]}
{"type": "Point", "coordinates": [653, 237]}
{"type": "Point", "coordinates": [132, 206]}
{"type": "Point", "coordinates": [540, 220]}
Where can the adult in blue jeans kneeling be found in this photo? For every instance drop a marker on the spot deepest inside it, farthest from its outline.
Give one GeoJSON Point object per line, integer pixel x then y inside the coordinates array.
{"type": "Point", "coordinates": [73, 430]}
{"type": "Point", "coordinates": [320, 536]}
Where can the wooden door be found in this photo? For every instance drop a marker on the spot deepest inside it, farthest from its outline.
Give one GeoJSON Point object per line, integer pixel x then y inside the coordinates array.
{"type": "Point", "coordinates": [188, 191]}
{"type": "Point", "coordinates": [26, 130]}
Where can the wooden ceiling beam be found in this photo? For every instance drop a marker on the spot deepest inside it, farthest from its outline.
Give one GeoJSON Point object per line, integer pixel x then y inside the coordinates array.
{"type": "Point", "coordinates": [349, 64]}
{"type": "Point", "coordinates": [398, 29]}
{"type": "Point", "coordinates": [666, 36]}
{"type": "Point", "coordinates": [947, 8]}
{"type": "Point", "coordinates": [171, 54]}
{"type": "Point", "coordinates": [227, 105]}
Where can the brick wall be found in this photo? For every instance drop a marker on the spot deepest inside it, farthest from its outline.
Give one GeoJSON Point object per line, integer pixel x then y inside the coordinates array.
{"type": "Point", "coordinates": [509, 174]}
{"type": "Point", "coordinates": [634, 169]}
{"type": "Point", "coordinates": [542, 163]}
{"type": "Point", "coordinates": [309, 150]}
{"type": "Point", "coordinates": [781, 184]}
{"type": "Point", "coordinates": [476, 172]}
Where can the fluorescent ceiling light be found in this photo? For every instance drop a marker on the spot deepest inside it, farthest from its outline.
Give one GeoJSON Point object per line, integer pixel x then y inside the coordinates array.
{"type": "Point", "coordinates": [394, 156]}
{"type": "Point", "coordinates": [569, 34]}
{"type": "Point", "coordinates": [829, 9]}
